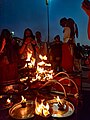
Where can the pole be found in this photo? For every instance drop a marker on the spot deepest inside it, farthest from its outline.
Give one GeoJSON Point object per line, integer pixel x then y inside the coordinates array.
{"type": "Point", "coordinates": [48, 18]}
{"type": "Point", "coordinates": [48, 56]}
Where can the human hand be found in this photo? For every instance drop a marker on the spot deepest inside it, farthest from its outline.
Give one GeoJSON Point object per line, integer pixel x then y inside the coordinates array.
{"type": "Point", "coordinates": [3, 45]}
{"type": "Point", "coordinates": [28, 40]}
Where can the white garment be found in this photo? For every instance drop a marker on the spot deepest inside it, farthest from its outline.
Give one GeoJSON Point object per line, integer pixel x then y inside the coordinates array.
{"type": "Point", "coordinates": [66, 34]}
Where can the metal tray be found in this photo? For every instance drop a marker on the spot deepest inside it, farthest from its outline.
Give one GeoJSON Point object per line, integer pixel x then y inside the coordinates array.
{"type": "Point", "coordinates": [19, 112]}
{"type": "Point", "coordinates": [63, 113]}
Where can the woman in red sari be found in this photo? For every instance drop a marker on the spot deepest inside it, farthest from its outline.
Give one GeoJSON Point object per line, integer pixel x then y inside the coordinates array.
{"type": "Point", "coordinates": [68, 43]}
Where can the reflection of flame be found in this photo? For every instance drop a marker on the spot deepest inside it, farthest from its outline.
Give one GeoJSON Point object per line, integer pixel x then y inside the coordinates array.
{"type": "Point", "coordinates": [23, 112]}
{"type": "Point", "coordinates": [23, 99]}
{"type": "Point", "coordinates": [41, 109]}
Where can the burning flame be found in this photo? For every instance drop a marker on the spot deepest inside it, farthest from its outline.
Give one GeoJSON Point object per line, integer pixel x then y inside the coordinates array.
{"type": "Point", "coordinates": [41, 109]}
{"type": "Point", "coordinates": [23, 99]}
{"type": "Point", "coordinates": [44, 71]}
{"type": "Point", "coordinates": [31, 59]}
{"type": "Point", "coordinates": [0, 96]}
{"type": "Point", "coordinates": [58, 99]}
{"type": "Point", "coordinates": [8, 101]}
{"type": "Point", "coordinates": [43, 57]}
{"type": "Point", "coordinates": [23, 79]}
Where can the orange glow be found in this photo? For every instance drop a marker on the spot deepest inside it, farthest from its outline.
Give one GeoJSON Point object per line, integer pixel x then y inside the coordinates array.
{"type": "Point", "coordinates": [44, 71]}
{"type": "Point", "coordinates": [31, 59]}
{"type": "Point", "coordinates": [41, 109]}
{"type": "Point", "coordinates": [23, 99]}
{"type": "Point", "coordinates": [8, 101]}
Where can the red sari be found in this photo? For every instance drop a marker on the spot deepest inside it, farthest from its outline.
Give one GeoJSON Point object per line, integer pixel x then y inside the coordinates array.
{"type": "Point", "coordinates": [67, 58]}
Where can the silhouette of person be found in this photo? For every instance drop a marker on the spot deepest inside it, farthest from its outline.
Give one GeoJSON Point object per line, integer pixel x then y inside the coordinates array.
{"type": "Point", "coordinates": [8, 59]}
{"type": "Point", "coordinates": [86, 7]}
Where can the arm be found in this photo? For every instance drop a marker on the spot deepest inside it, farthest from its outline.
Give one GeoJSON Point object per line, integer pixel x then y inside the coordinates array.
{"type": "Point", "coordinates": [3, 45]}
{"type": "Point", "coordinates": [21, 50]}
{"type": "Point", "coordinates": [27, 41]}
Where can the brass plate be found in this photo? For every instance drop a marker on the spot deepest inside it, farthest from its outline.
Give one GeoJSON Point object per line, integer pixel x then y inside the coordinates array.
{"type": "Point", "coordinates": [63, 113]}
{"type": "Point", "coordinates": [19, 112]}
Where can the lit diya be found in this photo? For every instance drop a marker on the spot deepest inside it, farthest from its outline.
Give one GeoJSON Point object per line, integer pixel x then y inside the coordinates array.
{"type": "Point", "coordinates": [5, 102]}
{"type": "Point", "coordinates": [61, 107]}
{"type": "Point", "coordinates": [22, 110]}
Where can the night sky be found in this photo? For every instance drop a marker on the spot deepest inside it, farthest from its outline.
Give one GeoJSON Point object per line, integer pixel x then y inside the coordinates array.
{"type": "Point", "coordinates": [16, 15]}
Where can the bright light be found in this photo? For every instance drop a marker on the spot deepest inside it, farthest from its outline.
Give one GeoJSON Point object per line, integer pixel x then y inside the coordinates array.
{"type": "Point", "coordinates": [12, 32]}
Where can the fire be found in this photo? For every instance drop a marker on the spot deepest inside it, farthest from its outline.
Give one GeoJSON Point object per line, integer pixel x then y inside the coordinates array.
{"type": "Point", "coordinates": [43, 57]}
{"type": "Point", "coordinates": [9, 88]}
{"type": "Point", "coordinates": [23, 99]}
{"type": "Point", "coordinates": [58, 99]}
{"type": "Point", "coordinates": [41, 109]}
{"type": "Point", "coordinates": [8, 101]}
{"type": "Point", "coordinates": [23, 79]}
{"type": "Point", "coordinates": [31, 59]}
{"type": "Point", "coordinates": [44, 71]}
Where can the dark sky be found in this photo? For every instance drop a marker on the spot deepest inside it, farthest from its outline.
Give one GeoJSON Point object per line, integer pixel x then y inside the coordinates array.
{"type": "Point", "coordinates": [16, 15]}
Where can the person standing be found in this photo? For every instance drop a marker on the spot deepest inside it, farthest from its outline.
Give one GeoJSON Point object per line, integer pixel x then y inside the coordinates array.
{"type": "Point", "coordinates": [86, 7]}
{"type": "Point", "coordinates": [56, 54]}
{"type": "Point", "coordinates": [69, 31]}
{"type": "Point", "coordinates": [42, 45]}
{"type": "Point", "coordinates": [8, 59]}
{"type": "Point", "coordinates": [29, 45]}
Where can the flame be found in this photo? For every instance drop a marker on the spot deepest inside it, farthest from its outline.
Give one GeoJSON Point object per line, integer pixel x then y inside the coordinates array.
{"type": "Point", "coordinates": [31, 59]}
{"type": "Point", "coordinates": [8, 101]}
{"type": "Point", "coordinates": [41, 109]}
{"type": "Point", "coordinates": [43, 57]}
{"type": "Point", "coordinates": [0, 96]}
{"type": "Point", "coordinates": [8, 88]}
{"type": "Point", "coordinates": [29, 55]}
{"type": "Point", "coordinates": [23, 79]}
{"type": "Point", "coordinates": [58, 100]}
{"type": "Point", "coordinates": [44, 71]}
{"type": "Point", "coordinates": [23, 99]}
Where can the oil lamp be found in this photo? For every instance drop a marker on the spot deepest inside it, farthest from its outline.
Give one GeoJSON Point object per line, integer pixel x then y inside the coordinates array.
{"type": "Point", "coordinates": [23, 102]}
